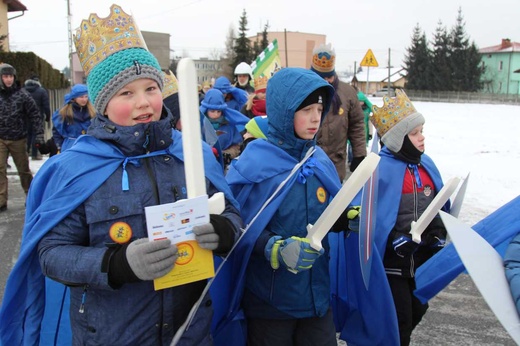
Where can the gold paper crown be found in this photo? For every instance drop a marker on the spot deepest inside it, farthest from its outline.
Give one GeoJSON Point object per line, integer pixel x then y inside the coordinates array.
{"type": "Point", "coordinates": [393, 111]}
{"type": "Point", "coordinates": [260, 82]}
{"type": "Point", "coordinates": [171, 86]}
{"type": "Point", "coordinates": [98, 38]}
{"type": "Point", "coordinates": [323, 58]}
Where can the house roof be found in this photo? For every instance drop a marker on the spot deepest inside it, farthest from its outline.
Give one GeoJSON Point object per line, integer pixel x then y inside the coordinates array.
{"type": "Point", "coordinates": [14, 6]}
{"type": "Point", "coordinates": [505, 47]}
{"type": "Point", "coordinates": [381, 74]}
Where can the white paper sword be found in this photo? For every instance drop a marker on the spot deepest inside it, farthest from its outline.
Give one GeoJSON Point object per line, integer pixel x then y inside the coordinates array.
{"type": "Point", "coordinates": [318, 231]}
{"type": "Point", "coordinates": [427, 216]}
{"type": "Point", "coordinates": [191, 136]}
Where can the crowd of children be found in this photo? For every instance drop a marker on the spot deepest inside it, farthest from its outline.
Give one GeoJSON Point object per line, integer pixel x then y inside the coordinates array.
{"type": "Point", "coordinates": [86, 267]}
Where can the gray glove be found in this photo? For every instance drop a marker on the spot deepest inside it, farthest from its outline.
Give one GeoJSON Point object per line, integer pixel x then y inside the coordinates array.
{"type": "Point", "coordinates": [206, 236]}
{"type": "Point", "coordinates": [151, 260]}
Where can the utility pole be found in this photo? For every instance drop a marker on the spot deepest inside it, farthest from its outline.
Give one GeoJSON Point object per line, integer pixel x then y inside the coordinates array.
{"type": "Point", "coordinates": [389, 65]}
{"type": "Point", "coordinates": [69, 23]}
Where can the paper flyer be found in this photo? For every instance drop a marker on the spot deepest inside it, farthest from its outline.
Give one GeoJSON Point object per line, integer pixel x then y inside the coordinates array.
{"type": "Point", "coordinates": [175, 221]}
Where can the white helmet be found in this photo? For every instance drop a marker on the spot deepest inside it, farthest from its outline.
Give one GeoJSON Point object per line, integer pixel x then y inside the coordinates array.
{"type": "Point", "coordinates": [243, 68]}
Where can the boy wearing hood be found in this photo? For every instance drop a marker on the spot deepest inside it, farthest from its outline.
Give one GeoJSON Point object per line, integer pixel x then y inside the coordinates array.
{"type": "Point", "coordinates": [285, 283]}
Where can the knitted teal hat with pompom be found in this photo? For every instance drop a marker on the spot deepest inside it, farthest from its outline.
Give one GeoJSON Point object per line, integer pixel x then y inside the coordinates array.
{"type": "Point", "coordinates": [119, 69]}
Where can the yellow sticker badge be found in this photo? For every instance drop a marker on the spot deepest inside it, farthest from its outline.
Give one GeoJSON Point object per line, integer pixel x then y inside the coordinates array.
{"type": "Point", "coordinates": [321, 194]}
{"type": "Point", "coordinates": [186, 253]}
{"type": "Point", "coordinates": [120, 232]}
{"type": "Point", "coordinates": [341, 111]}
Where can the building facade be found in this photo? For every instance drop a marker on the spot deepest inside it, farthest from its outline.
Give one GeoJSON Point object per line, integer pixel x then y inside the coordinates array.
{"type": "Point", "coordinates": [6, 7]}
{"type": "Point", "coordinates": [295, 47]}
{"type": "Point", "coordinates": [502, 68]}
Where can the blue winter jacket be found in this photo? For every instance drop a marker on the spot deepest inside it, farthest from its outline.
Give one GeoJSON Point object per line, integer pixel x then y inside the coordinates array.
{"type": "Point", "coordinates": [280, 294]}
{"type": "Point", "coordinates": [74, 228]}
{"type": "Point", "coordinates": [66, 132]}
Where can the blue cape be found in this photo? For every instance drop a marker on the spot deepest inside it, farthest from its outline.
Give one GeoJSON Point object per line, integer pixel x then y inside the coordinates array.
{"type": "Point", "coordinates": [244, 179]}
{"type": "Point", "coordinates": [498, 229]}
{"type": "Point", "coordinates": [60, 186]}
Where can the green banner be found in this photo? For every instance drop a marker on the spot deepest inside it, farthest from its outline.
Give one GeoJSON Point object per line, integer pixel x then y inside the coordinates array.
{"type": "Point", "coordinates": [268, 62]}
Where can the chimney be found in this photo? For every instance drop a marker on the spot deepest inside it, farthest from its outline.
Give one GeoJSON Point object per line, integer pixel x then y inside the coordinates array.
{"type": "Point", "coordinates": [506, 43]}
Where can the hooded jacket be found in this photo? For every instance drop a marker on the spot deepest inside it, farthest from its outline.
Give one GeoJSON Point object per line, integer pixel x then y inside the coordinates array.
{"type": "Point", "coordinates": [253, 182]}
{"type": "Point", "coordinates": [40, 96]}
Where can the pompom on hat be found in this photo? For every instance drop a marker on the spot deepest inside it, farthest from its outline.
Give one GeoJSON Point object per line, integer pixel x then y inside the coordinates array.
{"type": "Point", "coordinates": [113, 53]}
{"type": "Point", "coordinates": [324, 60]}
{"type": "Point", "coordinates": [395, 119]}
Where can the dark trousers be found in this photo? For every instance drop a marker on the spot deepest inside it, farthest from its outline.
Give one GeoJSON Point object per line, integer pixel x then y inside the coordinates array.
{"type": "Point", "coordinates": [315, 331]}
{"type": "Point", "coordinates": [18, 151]}
{"type": "Point", "coordinates": [409, 309]}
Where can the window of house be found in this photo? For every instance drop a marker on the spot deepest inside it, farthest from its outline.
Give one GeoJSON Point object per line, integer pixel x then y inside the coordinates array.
{"type": "Point", "coordinates": [499, 86]}
{"type": "Point", "coordinates": [500, 65]}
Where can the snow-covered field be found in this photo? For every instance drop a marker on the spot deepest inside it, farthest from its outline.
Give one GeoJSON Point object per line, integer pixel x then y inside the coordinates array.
{"type": "Point", "coordinates": [480, 139]}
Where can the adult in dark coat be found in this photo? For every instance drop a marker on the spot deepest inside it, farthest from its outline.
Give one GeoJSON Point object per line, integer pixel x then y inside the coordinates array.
{"type": "Point", "coordinates": [41, 97]}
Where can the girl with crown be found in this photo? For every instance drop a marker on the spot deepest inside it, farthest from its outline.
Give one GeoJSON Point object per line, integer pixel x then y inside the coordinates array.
{"type": "Point", "coordinates": [408, 182]}
{"type": "Point", "coordinates": [86, 267]}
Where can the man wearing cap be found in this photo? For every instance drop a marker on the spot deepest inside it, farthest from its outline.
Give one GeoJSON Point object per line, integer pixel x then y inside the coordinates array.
{"type": "Point", "coordinates": [345, 119]}
{"type": "Point", "coordinates": [18, 112]}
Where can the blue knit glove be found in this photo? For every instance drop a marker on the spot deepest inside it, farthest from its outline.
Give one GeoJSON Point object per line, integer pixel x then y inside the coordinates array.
{"type": "Point", "coordinates": [295, 253]}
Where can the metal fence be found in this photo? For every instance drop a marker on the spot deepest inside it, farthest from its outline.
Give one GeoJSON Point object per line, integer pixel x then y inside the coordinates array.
{"type": "Point", "coordinates": [462, 97]}
{"type": "Point", "coordinates": [56, 100]}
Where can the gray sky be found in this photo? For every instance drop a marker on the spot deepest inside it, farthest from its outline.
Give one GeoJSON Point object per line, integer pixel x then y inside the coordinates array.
{"type": "Point", "coordinates": [199, 27]}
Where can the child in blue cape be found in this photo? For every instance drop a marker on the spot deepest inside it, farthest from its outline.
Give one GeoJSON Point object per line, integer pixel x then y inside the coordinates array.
{"type": "Point", "coordinates": [408, 182]}
{"type": "Point", "coordinates": [283, 284]}
{"type": "Point", "coordinates": [235, 97]}
{"type": "Point", "coordinates": [73, 118]}
{"type": "Point", "coordinates": [85, 227]}
{"type": "Point", "coordinates": [228, 123]}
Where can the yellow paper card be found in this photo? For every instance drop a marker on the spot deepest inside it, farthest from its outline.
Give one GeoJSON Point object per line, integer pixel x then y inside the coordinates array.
{"type": "Point", "coordinates": [194, 264]}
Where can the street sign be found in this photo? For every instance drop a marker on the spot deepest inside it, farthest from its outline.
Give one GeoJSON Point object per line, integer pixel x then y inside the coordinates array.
{"type": "Point", "coordinates": [369, 60]}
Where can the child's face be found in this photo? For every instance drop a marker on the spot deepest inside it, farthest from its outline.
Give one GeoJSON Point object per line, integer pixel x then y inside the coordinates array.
{"type": "Point", "coordinates": [214, 114]}
{"type": "Point", "coordinates": [307, 121]}
{"type": "Point", "coordinates": [417, 138]}
{"type": "Point", "coordinates": [82, 100]}
{"type": "Point", "coordinates": [137, 102]}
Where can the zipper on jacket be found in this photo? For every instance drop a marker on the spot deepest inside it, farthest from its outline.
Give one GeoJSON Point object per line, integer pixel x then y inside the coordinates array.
{"type": "Point", "coordinates": [83, 299]}
{"type": "Point", "coordinates": [155, 188]}
{"type": "Point", "coordinates": [176, 195]}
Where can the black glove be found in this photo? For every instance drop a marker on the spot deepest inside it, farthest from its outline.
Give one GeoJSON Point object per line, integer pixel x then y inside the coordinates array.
{"type": "Point", "coordinates": [435, 235]}
{"type": "Point", "coordinates": [39, 140]}
{"type": "Point", "coordinates": [355, 162]}
{"type": "Point", "coordinates": [348, 220]}
{"type": "Point", "coordinates": [226, 158]}
{"type": "Point", "coordinates": [403, 245]}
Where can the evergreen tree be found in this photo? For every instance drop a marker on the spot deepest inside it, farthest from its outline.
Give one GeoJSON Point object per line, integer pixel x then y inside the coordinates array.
{"type": "Point", "coordinates": [441, 71]}
{"type": "Point", "coordinates": [418, 62]}
{"type": "Point", "coordinates": [242, 45]}
{"type": "Point", "coordinates": [465, 59]}
{"type": "Point", "coordinates": [259, 46]}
